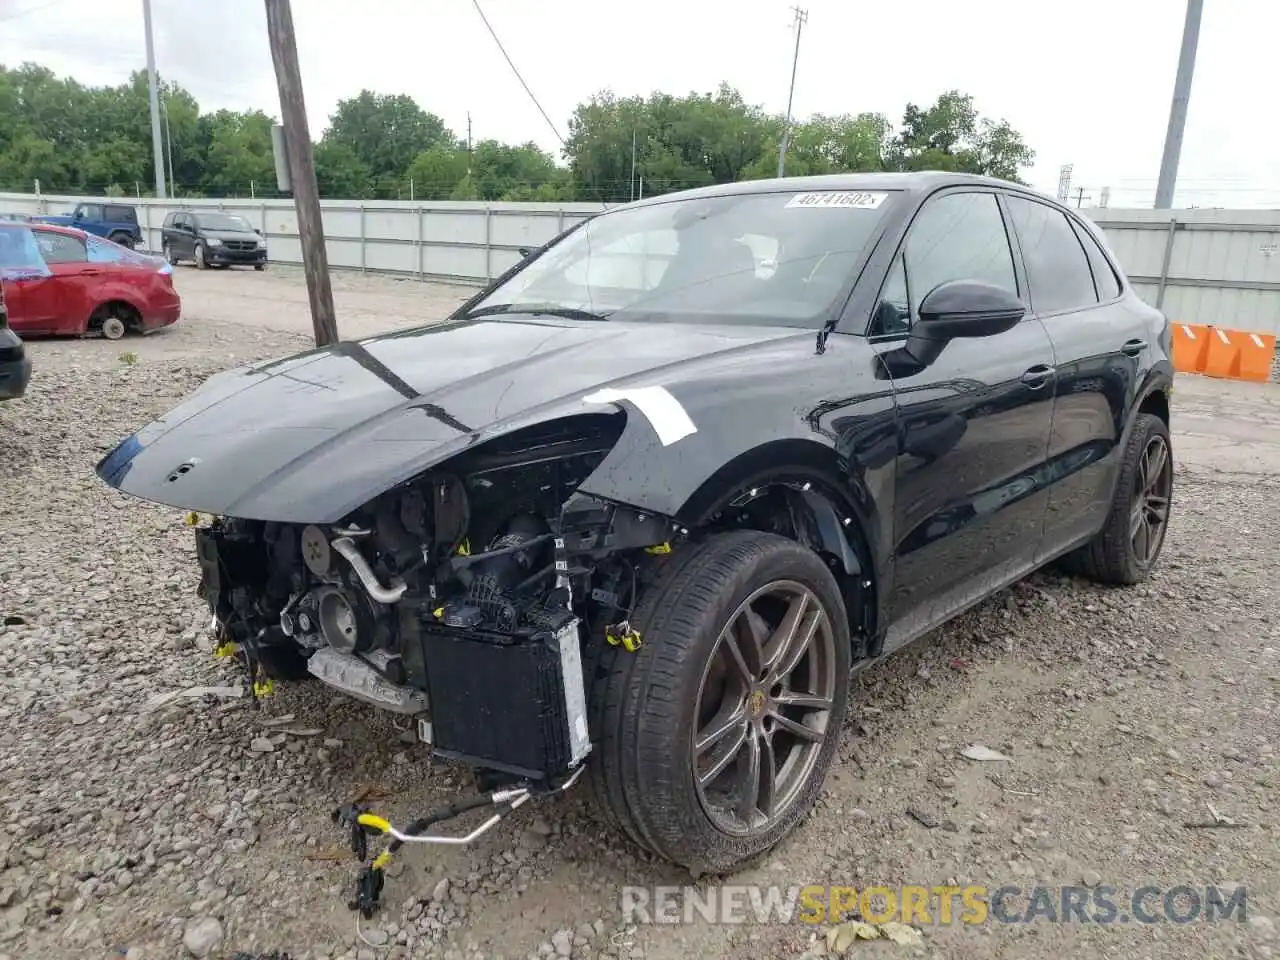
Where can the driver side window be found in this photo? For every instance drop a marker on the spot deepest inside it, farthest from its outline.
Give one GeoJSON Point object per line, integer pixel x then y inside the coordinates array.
{"type": "Point", "coordinates": [958, 236]}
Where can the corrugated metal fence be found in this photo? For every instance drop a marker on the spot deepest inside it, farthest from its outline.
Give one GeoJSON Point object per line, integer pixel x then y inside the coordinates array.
{"type": "Point", "coordinates": [1217, 267]}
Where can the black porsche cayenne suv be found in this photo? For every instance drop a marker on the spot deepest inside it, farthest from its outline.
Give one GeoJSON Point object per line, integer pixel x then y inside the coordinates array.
{"type": "Point", "coordinates": [640, 506]}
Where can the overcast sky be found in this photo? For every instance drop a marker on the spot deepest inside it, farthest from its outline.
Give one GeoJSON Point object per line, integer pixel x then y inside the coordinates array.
{"type": "Point", "coordinates": [1087, 82]}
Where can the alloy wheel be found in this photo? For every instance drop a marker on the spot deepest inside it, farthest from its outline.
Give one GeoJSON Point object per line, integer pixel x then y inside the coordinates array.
{"type": "Point", "coordinates": [1149, 513]}
{"type": "Point", "coordinates": [764, 708]}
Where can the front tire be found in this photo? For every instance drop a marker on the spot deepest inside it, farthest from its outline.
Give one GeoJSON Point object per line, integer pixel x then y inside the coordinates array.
{"type": "Point", "coordinates": [1126, 550]}
{"type": "Point", "coordinates": [201, 262]}
{"type": "Point", "coordinates": [714, 738]}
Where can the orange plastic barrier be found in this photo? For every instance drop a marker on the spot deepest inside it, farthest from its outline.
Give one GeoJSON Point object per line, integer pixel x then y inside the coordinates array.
{"type": "Point", "coordinates": [1257, 350]}
{"type": "Point", "coordinates": [1190, 347]}
{"type": "Point", "coordinates": [1223, 356]}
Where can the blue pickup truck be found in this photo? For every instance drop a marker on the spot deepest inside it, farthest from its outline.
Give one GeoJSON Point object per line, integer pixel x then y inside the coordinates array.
{"type": "Point", "coordinates": [117, 222]}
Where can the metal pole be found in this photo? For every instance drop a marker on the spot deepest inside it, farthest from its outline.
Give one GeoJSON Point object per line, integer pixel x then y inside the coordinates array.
{"type": "Point", "coordinates": [158, 154]}
{"type": "Point", "coordinates": [302, 171]}
{"type": "Point", "coordinates": [168, 146]}
{"type": "Point", "coordinates": [801, 17]}
{"type": "Point", "coordinates": [1178, 111]}
{"type": "Point", "coordinates": [633, 163]}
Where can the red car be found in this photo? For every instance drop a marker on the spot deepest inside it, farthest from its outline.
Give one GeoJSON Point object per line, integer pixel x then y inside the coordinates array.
{"type": "Point", "coordinates": [64, 281]}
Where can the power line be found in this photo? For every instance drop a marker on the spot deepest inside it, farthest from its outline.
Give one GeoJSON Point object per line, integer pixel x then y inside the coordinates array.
{"type": "Point", "coordinates": [503, 50]}
{"type": "Point", "coordinates": [36, 9]}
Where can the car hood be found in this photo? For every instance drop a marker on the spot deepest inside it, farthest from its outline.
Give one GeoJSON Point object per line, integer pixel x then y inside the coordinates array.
{"type": "Point", "coordinates": [311, 437]}
{"type": "Point", "coordinates": [229, 235]}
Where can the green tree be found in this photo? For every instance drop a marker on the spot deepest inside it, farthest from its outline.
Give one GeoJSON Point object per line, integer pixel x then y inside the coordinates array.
{"type": "Point", "coordinates": [679, 142]}
{"type": "Point", "coordinates": [341, 173]}
{"type": "Point", "coordinates": [78, 139]}
{"type": "Point", "coordinates": [238, 158]}
{"type": "Point", "coordinates": [436, 171]}
{"type": "Point", "coordinates": [950, 135]}
{"type": "Point", "coordinates": [385, 133]}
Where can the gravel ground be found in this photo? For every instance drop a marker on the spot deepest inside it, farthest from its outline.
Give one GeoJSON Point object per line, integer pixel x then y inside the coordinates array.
{"type": "Point", "coordinates": [200, 827]}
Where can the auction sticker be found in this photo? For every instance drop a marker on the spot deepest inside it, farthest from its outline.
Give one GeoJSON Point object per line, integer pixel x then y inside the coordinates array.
{"type": "Point", "coordinates": [847, 199]}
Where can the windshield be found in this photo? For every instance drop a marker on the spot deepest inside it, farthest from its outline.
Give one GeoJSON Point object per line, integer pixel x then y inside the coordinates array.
{"type": "Point", "coordinates": [224, 221]}
{"type": "Point", "coordinates": [779, 258]}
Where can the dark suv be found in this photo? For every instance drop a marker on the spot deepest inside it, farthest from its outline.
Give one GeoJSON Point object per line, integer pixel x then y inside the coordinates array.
{"type": "Point", "coordinates": [212, 239]}
{"type": "Point", "coordinates": [645, 501]}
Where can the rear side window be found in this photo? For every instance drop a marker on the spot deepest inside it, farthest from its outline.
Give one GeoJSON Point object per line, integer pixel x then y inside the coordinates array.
{"type": "Point", "coordinates": [104, 251]}
{"type": "Point", "coordinates": [1057, 270]}
{"type": "Point", "coordinates": [121, 215]}
{"type": "Point", "coordinates": [1104, 276]}
{"type": "Point", "coordinates": [171, 221]}
{"type": "Point", "coordinates": [61, 247]}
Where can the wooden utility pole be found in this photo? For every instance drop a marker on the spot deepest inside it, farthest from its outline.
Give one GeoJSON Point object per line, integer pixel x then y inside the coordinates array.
{"type": "Point", "coordinates": [302, 170]}
{"type": "Point", "coordinates": [1080, 197]}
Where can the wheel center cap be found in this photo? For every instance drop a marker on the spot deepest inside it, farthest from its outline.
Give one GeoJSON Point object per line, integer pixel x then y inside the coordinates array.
{"type": "Point", "coordinates": [756, 702]}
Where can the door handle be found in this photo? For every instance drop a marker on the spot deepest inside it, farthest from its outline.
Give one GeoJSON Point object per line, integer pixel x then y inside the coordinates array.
{"type": "Point", "coordinates": [1132, 348]}
{"type": "Point", "coordinates": [90, 273]}
{"type": "Point", "coordinates": [1038, 376]}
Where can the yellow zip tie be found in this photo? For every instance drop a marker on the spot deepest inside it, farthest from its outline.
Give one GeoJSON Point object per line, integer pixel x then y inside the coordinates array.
{"type": "Point", "coordinates": [659, 549]}
{"type": "Point", "coordinates": [381, 860]}
{"type": "Point", "coordinates": [374, 821]}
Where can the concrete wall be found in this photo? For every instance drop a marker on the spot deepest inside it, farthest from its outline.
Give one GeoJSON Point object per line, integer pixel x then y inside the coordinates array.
{"type": "Point", "coordinates": [1217, 267]}
{"type": "Point", "coordinates": [1200, 266]}
{"type": "Point", "coordinates": [445, 240]}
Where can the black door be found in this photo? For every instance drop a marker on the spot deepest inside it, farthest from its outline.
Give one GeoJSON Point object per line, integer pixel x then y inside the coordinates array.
{"type": "Point", "coordinates": [1100, 339]}
{"type": "Point", "coordinates": [185, 236]}
{"type": "Point", "coordinates": [973, 425]}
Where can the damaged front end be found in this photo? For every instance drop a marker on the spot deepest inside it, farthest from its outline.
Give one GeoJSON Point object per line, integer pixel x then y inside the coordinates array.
{"type": "Point", "coordinates": [461, 598]}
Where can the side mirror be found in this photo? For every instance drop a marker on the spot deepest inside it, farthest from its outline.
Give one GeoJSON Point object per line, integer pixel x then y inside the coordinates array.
{"type": "Point", "coordinates": [950, 311]}
{"type": "Point", "coordinates": [968, 308]}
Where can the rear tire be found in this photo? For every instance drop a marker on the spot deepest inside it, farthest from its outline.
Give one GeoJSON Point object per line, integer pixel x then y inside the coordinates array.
{"type": "Point", "coordinates": [706, 806]}
{"type": "Point", "coordinates": [124, 239]}
{"type": "Point", "coordinates": [259, 267]}
{"type": "Point", "coordinates": [113, 327]}
{"type": "Point", "coordinates": [170, 257]}
{"type": "Point", "coordinates": [1127, 548]}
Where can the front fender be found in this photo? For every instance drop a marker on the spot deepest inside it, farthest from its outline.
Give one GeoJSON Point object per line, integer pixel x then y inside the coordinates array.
{"type": "Point", "coordinates": [780, 417]}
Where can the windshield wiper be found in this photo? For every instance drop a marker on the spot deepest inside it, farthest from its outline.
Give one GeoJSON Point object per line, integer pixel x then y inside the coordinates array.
{"type": "Point", "coordinates": [538, 310]}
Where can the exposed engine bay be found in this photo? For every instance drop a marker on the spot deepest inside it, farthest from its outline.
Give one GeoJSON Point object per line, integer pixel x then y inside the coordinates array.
{"type": "Point", "coordinates": [458, 598]}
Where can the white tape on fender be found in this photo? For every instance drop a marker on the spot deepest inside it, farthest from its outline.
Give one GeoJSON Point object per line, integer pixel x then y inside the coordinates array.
{"type": "Point", "coordinates": [663, 411]}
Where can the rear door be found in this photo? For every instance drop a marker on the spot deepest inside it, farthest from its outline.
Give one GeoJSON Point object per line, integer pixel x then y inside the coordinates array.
{"type": "Point", "coordinates": [184, 236]}
{"type": "Point", "coordinates": [1098, 343]}
{"type": "Point", "coordinates": [973, 425]}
